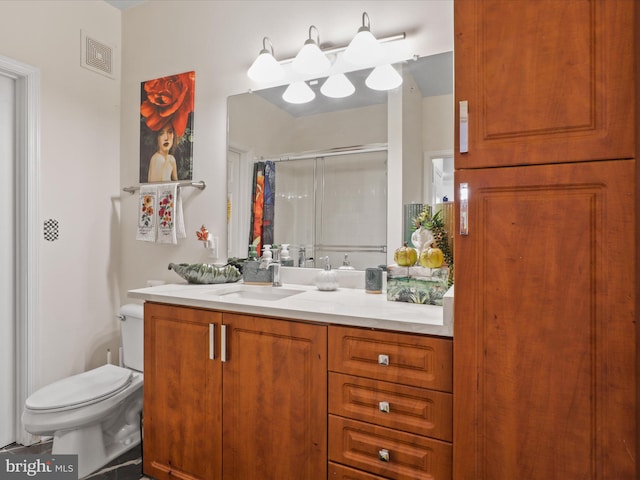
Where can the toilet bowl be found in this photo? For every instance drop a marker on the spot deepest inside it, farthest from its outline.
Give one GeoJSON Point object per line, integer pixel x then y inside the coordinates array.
{"type": "Point", "coordinates": [95, 414]}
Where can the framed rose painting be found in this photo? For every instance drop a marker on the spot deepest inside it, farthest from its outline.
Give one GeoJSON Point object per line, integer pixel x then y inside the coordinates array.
{"type": "Point", "coordinates": [166, 128]}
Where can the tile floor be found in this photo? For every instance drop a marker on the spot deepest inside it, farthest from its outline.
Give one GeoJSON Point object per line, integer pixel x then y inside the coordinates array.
{"type": "Point", "coordinates": [127, 466]}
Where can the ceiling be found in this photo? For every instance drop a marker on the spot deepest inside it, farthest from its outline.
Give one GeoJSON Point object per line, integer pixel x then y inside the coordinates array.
{"type": "Point", "coordinates": [124, 4]}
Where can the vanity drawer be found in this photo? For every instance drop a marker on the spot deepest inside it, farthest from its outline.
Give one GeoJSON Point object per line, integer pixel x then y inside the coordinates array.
{"type": "Point", "coordinates": [416, 360]}
{"type": "Point", "coordinates": [412, 409]}
{"type": "Point", "coordinates": [388, 453]}
{"type": "Point", "coordinates": [340, 472]}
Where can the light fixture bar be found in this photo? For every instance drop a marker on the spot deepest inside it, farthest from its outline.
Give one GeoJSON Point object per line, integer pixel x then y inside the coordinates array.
{"type": "Point", "coordinates": [342, 48]}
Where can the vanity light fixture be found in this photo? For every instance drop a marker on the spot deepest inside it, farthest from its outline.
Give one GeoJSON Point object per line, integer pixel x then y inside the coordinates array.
{"type": "Point", "coordinates": [310, 59]}
{"type": "Point", "coordinates": [364, 49]}
{"type": "Point", "coordinates": [383, 77]}
{"type": "Point", "coordinates": [337, 86]}
{"type": "Point", "coordinates": [298, 92]}
{"type": "Point", "coordinates": [265, 68]}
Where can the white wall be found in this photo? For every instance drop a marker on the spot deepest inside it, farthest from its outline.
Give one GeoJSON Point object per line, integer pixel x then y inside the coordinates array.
{"type": "Point", "coordinates": [90, 132]}
{"type": "Point", "coordinates": [438, 118]}
{"type": "Point", "coordinates": [79, 155]}
{"type": "Point", "coordinates": [219, 40]}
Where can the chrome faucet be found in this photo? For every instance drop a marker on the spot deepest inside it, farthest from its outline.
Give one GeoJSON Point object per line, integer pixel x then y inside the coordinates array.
{"type": "Point", "coordinates": [276, 274]}
{"type": "Point", "coordinates": [302, 256]}
{"type": "Point", "coordinates": [267, 263]}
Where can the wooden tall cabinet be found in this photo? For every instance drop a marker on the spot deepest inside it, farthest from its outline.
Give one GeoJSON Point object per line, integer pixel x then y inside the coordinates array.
{"type": "Point", "coordinates": [233, 397]}
{"type": "Point", "coordinates": [546, 81]}
{"type": "Point", "coordinates": [546, 334]}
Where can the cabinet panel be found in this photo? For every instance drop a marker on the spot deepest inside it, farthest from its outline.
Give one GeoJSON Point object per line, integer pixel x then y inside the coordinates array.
{"type": "Point", "coordinates": [395, 357]}
{"type": "Point", "coordinates": [545, 336]}
{"type": "Point", "coordinates": [564, 97]}
{"type": "Point", "coordinates": [410, 457]}
{"type": "Point", "coordinates": [340, 472]}
{"type": "Point", "coordinates": [182, 416]}
{"type": "Point", "coordinates": [275, 399]}
{"type": "Point", "coordinates": [412, 409]}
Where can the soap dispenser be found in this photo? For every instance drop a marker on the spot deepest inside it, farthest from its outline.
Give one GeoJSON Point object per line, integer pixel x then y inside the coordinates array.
{"type": "Point", "coordinates": [267, 253]}
{"type": "Point", "coordinates": [327, 279]}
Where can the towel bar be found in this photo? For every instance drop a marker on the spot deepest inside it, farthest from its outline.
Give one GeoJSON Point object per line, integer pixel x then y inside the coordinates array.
{"type": "Point", "coordinates": [199, 185]}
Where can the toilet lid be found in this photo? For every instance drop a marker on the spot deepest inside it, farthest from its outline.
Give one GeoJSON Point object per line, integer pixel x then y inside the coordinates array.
{"type": "Point", "coordinates": [86, 387]}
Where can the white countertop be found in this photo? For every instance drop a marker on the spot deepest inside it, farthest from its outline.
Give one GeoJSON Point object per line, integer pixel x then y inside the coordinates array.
{"type": "Point", "coordinates": [345, 306]}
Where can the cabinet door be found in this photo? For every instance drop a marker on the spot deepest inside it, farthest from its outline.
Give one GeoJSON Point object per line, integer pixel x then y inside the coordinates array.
{"type": "Point", "coordinates": [545, 338]}
{"type": "Point", "coordinates": [275, 399]}
{"type": "Point", "coordinates": [182, 394]}
{"type": "Point", "coordinates": [546, 81]}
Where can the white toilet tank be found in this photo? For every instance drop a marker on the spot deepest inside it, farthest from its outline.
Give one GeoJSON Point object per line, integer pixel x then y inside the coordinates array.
{"type": "Point", "coordinates": [132, 331]}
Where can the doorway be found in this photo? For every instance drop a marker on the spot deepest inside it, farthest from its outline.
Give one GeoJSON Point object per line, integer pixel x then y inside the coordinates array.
{"type": "Point", "coordinates": [20, 84]}
{"type": "Point", "coordinates": [7, 267]}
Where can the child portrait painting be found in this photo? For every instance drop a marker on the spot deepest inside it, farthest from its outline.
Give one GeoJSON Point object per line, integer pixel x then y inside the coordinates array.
{"type": "Point", "coordinates": [166, 128]}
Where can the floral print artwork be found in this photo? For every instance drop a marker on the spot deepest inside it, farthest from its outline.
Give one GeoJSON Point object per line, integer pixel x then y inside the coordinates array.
{"type": "Point", "coordinates": [165, 211]}
{"type": "Point", "coordinates": [147, 222]}
{"type": "Point", "coordinates": [146, 217]}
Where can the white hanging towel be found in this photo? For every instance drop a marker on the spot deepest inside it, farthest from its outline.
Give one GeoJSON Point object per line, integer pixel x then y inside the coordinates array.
{"type": "Point", "coordinates": [170, 216]}
{"type": "Point", "coordinates": [181, 232]}
{"type": "Point", "coordinates": [147, 219]}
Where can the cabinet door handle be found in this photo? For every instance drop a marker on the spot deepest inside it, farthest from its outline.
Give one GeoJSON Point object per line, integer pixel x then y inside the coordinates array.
{"type": "Point", "coordinates": [212, 345]}
{"type": "Point", "coordinates": [383, 455]}
{"type": "Point", "coordinates": [464, 126]}
{"type": "Point", "coordinates": [464, 208]}
{"type": "Point", "coordinates": [383, 360]}
{"type": "Point", "coordinates": [384, 407]}
{"type": "Point", "coordinates": [223, 343]}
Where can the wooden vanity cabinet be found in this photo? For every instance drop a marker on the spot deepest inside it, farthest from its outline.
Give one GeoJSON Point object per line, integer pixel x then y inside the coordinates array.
{"type": "Point", "coordinates": [251, 405]}
{"type": "Point", "coordinates": [182, 394]}
{"type": "Point", "coordinates": [390, 405]}
{"type": "Point", "coordinates": [274, 399]}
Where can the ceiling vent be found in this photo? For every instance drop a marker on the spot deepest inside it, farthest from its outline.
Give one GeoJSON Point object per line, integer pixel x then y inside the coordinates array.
{"type": "Point", "coordinates": [97, 56]}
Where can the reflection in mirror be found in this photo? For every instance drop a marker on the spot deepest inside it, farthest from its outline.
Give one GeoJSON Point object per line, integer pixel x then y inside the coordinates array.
{"type": "Point", "coordinates": [331, 159]}
{"type": "Point", "coordinates": [335, 190]}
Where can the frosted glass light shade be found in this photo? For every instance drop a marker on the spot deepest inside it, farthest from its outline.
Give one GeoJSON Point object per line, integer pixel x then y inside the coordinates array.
{"type": "Point", "coordinates": [298, 92]}
{"type": "Point", "coordinates": [364, 49]}
{"type": "Point", "coordinates": [337, 86]}
{"type": "Point", "coordinates": [265, 68]}
{"type": "Point", "coordinates": [310, 60]}
{"type": "Point", "coordinates": [384, 77]}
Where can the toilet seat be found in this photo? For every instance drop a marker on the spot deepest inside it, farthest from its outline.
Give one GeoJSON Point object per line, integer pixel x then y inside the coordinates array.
{"type": "Point", "coordinates": [80, 390]}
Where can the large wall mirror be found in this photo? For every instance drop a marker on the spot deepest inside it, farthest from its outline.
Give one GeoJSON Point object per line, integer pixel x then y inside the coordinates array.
{"type": "Point", "coordinates": [337, 172]}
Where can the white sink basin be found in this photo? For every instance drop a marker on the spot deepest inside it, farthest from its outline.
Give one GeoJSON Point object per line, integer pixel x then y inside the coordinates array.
{"type": "Point", "coordinates": [257, 292]}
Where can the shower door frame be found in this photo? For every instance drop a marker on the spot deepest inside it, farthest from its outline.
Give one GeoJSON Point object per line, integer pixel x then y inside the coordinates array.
{"type": "Point", "coordinates": [322, 154]}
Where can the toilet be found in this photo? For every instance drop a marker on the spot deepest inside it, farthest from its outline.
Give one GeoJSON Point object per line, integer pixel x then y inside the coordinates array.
{"type": "Point", "coordinates": [95, 414]}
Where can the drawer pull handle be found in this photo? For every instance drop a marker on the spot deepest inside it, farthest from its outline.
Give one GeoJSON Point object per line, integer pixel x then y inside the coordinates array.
{"type": "Point", "coordinates": [383, 360]}
{"type": "Point", "coordinates": [384, 407]}
{"type": "Point", "coordinates": [383, 455]}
